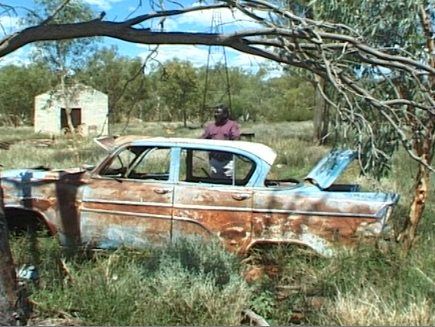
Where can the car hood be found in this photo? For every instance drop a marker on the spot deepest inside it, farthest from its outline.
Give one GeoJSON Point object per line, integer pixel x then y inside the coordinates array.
{"type": "Point", "coordinates": [330, 168]}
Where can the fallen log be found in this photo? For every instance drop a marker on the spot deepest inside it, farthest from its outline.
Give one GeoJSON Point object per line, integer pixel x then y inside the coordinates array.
{"type": "Point", "coordinates": [5, 145]}
{"type": "Point", "coordinates": [254, 318]}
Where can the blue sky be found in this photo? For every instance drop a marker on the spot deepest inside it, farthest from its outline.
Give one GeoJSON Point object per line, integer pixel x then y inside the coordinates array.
{"type": "Point", "coordinates": [119, 9]}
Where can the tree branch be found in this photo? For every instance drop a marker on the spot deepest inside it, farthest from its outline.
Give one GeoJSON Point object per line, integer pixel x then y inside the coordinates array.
{"type": "Point", "coordinates": [58, 9]}
{"type": "Point", "coordinates": [142, 18]}
{"type": "Point", "coordinates": [329, 50]}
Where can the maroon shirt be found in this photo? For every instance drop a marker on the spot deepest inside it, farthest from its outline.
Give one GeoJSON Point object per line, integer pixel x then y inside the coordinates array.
{"type": "Point", "coordinates": [230, 130]}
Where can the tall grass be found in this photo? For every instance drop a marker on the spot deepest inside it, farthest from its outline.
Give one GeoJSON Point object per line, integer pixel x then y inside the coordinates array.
{"type": "Point", "coordinates": [367, 286]}
{"type": "Point", "coordinates": [201, 284]}
{"type": "Point", "coordinates": [184, 284]}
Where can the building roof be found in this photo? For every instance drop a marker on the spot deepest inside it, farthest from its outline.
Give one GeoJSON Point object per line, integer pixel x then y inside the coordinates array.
{"type": "Point", "coordinates": [78, 87]}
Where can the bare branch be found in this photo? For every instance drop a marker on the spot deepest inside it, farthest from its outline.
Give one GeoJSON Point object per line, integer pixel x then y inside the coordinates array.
{"type": "Point", "coordinates": [329, 50]}
{"type": "Point", "coordinates": [56, 11]}
{"type": "Point", "coordinates": [142, 18]}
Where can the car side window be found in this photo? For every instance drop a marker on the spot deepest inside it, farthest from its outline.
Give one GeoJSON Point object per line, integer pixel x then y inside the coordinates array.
{"type": "Point", "coordinates": [119, 164]}
{"type": "Point", "coordinates": [139, 162]}
{"type": "Point", "coordinates": [215, 167]}
{"type": "Point", "coordinates": [154, 163]}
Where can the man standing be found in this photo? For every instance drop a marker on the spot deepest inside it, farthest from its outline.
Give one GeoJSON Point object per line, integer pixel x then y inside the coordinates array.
{"type": "Point", "coordinates": [223, 128]}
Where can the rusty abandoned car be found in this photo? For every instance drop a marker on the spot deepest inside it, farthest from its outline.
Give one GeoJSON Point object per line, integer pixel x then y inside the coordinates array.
{"type": "Point", "coordinates": [154, 190]}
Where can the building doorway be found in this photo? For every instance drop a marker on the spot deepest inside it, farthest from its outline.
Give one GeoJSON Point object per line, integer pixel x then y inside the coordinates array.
{"type": "Point", "coordinates": [76, 118]}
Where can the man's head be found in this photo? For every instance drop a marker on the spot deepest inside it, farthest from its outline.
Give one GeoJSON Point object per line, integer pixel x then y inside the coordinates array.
{"type": "Point", "coordinates": [221, 114]}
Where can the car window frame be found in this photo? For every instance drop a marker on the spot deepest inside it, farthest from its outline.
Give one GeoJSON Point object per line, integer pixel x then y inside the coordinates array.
{"type": "Point", "coordinates": [96, 174]}
{"type": "Point", "coordinates": [253, 178]}
{"type": "Point", "coordinates": [143, 157]}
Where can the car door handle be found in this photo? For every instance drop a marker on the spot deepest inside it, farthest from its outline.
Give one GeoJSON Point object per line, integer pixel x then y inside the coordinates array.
{"type": "Point", "coordinates": [241, 196]}
{"type": "Point", "coordinates": [161, 190]}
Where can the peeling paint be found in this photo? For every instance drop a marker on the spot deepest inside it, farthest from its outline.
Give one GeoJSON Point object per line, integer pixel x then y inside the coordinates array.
{"type": "Point", "coordinates": [90, 208]}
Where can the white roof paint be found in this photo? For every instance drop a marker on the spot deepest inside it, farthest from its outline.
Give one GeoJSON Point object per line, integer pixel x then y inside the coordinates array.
{"type": "Point", "coordinates": [257, 149]}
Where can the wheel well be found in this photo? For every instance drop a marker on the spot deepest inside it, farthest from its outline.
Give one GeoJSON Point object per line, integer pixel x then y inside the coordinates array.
{"type": "Point", "coordinates": [20, 220]}
{"type": "Point", "coordinates": [287, 244]}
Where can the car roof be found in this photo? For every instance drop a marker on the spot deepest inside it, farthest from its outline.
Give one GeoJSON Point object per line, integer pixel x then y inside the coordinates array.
{"type": "Point", "coordinates": [259, 150]}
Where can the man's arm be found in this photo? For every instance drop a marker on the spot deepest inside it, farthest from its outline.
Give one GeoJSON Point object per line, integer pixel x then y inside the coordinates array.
{"type": "Point", "coordinates": [235, 132]}
{"type": "Point", "coordinates": [206, 133]}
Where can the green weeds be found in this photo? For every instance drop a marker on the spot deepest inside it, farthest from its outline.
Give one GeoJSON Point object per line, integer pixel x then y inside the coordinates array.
{"type": "Point", "coordinates": [202, 284]}
{"type": "Point", "coordinates": [184, 284]}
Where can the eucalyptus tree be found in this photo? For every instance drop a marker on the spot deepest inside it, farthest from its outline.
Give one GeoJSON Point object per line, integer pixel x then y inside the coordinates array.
{"type": "Point", "coordinates": [242, 90]}
{"type": "Point", "coordinates": [397, 28]}
{"type": "Point", "coordinates": [66, 56]}
{"type": "Point", "coordinates": [8, 284]}
{"type": "Point", "coordinates": [296, 99]}
{"type": "Point", "coordinates": [121, 78]}
{"type": "Point", "coordinates": [19, 85]}
{"type": "Point", "coordinates": [178, 89]}
{"type": "Point", "coordinates": [330, 50]}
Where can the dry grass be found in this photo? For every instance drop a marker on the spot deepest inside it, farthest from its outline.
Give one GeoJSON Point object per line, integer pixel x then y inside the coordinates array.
{"type": "Point", "coordinates": [366, 287]}
{"type": "Point", "coordinates": [369, 308]}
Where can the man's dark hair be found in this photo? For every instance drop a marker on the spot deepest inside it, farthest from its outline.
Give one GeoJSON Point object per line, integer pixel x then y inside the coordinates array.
{"type": "Point", "coordinates": [224, 108]}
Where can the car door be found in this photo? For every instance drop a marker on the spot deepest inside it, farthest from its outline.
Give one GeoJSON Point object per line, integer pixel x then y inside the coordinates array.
{"type": "Point", "coordinates": [128, 201]}
{"type": "Point", "coordinates": [206, 207]}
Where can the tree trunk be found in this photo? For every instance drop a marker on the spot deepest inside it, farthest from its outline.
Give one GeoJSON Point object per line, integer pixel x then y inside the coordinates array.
{"type": "Point", "coordinates": [8, 280]}
{"type": "Point", "coordinates": [425, 150]}
{"type": "Point", "coordinates": [66, 99]}
{"type": "Point", "coordinates": [184, 117]}
{"type": "Point", "coordinates": [409, 230]}
{"type": "Point", "coordinates": [321, 113]}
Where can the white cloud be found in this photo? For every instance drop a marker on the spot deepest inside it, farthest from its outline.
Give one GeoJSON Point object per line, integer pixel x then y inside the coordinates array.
{"type": "Point", "coordinates": [252, 63]}
{"type": "Point", "coordinates": [169, 24]}
{"type": "Point", "coordinates": [247, 60]}
{"type": "Point", "coordinates": [201, 21]}
{"type": "Point", "coordinates": [19, 57]}
{"type": "Point", "coordinates": [229, 19]}
{"type": "Point", "coordinates": [103, 4]}
{"type": "Point", "coordinates": [195, 54]}
{"type": "Point", "coordinates": [9, 23]}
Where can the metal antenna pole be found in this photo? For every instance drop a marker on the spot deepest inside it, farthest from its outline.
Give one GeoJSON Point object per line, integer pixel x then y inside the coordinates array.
{"type": "Point", "coordinates": [216, 27]}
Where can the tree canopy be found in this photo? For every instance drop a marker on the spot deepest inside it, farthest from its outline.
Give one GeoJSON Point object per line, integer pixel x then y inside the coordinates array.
{"type": "Point", "coordinates": [393, 105]}
{"type": "Point", "coordinates": [158, 93]}
{"type": "Point", "coordinates": [328, 49]}
{"type": "Point", "coordinates": [378, 112]}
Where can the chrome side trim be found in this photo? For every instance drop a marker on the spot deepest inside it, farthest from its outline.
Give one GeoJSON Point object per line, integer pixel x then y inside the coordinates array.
{"type": "Point", "coordinates": [135, 203]}
{"type": "Point", "coordinates": [27, 198]}
{"type": "Point", "coordinates": [126, 213]}
{"type": "Point", "coordinates": [317, 213]}
{"type": "Point", "coordinates": [280, 211]}
{"type": "Point", "coordinates": [215, 208]}
{"type": "Point", "coordinates": [380, 213]}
